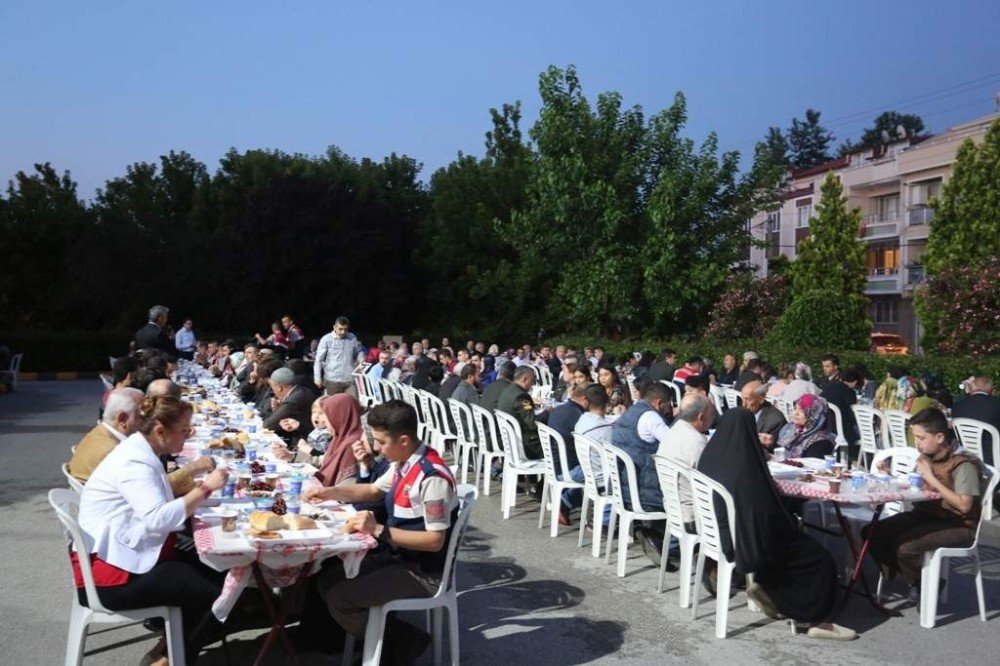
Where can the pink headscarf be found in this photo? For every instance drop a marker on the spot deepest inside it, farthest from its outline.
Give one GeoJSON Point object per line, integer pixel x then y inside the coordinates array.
{"type": "Point", "coordinates": [344, 414]}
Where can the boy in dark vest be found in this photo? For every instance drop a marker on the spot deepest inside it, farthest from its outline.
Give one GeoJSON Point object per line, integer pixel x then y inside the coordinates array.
{"type": "Point", "coordinates": [421, 504]}
{"type": "Point", "coordinates": [900, 541]}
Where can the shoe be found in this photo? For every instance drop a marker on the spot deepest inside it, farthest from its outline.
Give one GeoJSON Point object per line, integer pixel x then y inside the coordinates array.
{"type": "Point", "coordinates": [831, 632]}
{"type": "Point", "coordinates": [156, 656]}
{"type": "Point", "coordinates": [760, 597]}
{"type": "Point", "coordinates": [708, 580]}
{"type": "Point", "coordinates": [913, 594]}
{"type": "Point", "coordinates": [155, 625]}
{"type": "Point", "coordinates": [652, 547]}
{"type": "Point", "coordinates": [564, 517]}
{"type": "Point", "coordinates": [404, 643]}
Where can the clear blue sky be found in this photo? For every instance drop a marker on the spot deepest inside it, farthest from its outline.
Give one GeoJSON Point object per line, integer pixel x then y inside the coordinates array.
{"type": "Point", "coordinates": [94, 86]}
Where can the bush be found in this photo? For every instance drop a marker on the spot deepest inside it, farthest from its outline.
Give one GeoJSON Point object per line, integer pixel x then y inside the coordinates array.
{"type": "Point", "coordinates": [824, 319]}
{"type": "Point", "coordinates": [749, 308]}
{"type": "Point", "coordinates": [960, 308]}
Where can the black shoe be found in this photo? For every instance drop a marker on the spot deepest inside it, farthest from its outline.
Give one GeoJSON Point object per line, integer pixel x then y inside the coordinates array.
{"type": "Point", "coordinates": [155, 625]}
{"type": "Point", "coordinates": [403, 644]}
{"type": "Point", "coordinates": [652, 546]}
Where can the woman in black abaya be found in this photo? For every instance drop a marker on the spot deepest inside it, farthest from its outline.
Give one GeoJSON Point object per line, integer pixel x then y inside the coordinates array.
{"type": "Point", "coordinates": [794, 576]}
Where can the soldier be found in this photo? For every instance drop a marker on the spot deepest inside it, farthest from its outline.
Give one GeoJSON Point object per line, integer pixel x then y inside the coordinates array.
{"type": "Point", "coordinates": [516, 401]}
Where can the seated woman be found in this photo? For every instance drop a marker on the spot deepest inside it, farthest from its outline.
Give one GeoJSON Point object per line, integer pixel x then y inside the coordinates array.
{"type": "Point", "coordinates": [619, 397]}
{"type": "Point", "coordinates": [808, 435]}
{"type": "Point", "coordinates": [340, 416]}
{"type": "Point", "coordinates": [129, 512]}
{"type": "Point", "coordinates": [900, 542]}
{"type": "Point", "coordinates": [794, 576]}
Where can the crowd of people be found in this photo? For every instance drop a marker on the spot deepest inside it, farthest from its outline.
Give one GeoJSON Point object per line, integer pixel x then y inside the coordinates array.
{"type": "Point", "coordinates": [136, 507]}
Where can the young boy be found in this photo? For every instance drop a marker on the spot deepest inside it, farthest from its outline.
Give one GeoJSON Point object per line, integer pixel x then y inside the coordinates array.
{"type": "Point", "coordinates": [901, 541]}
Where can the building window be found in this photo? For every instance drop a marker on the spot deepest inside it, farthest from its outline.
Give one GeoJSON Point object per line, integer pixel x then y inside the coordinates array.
{"type": "Point", "coordinates": [885, 312]}
{"type": "Point", "coordinates": [888, 208]}
{"type": "Point", "coordinates": [774, 222]}
{"type": "Point", "coordinates": [803, 211]}
{"type": "Point", "coordinates": [923, 192]}
{"type": "Point", "coordinates": [883, 260]}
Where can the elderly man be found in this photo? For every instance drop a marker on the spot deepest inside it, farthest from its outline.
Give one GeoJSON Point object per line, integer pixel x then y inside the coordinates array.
{"type": "Point", "coordinates": [982, 405]}
{"type": "Point", "coordinates": [335, 360]}
{"type": "Point", "coordinates": [163, 388]}
{"type": "Point", "coordinates": [121, 419]}
{"type": "Point", "coordinates": [686, 440]}
{"type": "Point", "coordinates": [638, 432]}
{"type": "Point", "coordinates": [291, 407]}
{"type": "Point", "coordinates": [251, 353]}
{"type": "Point", "coordinates": [154, 334]}
{"type": "Point", "coordinates": [769, 419]}
{"type": "Point", "coordinates": [516, 401]}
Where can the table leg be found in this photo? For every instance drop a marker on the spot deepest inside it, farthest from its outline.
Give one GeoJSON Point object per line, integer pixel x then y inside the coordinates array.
{"type": "Point", "coordinates": [279, 615]}
{"type": "Point", "coordinates": [859, 559]}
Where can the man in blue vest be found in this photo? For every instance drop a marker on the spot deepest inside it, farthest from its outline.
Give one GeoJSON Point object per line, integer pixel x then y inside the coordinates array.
{"type": "Point", "coordinates": [421, 504]}
{"type": "Point", "coordinates": [637, 432]}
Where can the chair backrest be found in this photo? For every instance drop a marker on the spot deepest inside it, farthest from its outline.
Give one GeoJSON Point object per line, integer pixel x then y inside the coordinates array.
{"type": "Point", "coordinates": [718, 397]}
{"type": "Point", "coordinates": [896, 423]}
{"type": "Point", "coordinates": [486, 428]}
{"type": "Point", "coordinates": [467, 496]}
{"type": "Point", "coordinates": [465, 429]}
{"type": "Point", "coordinates": [545, 377]}
{"type": "Point", "coordinates": [970, 434]}
{"type": "Point", "coordinates": [904, 459]}
{"type": "Point", "coordinates": [866, 416]}
{"type": "Point", "coordinates": [424, 409]}
{"type": "Point", "coordinates": [66, 504]}
{"type": "Point", "coordinates": [510, 437]}
{"type": "Point", "coordinates": [987, 499]}
{"type": "Point", "coordinates": [585, 445]}
{"type": "Point", "coordinates": [361, 386]}
{"type": "Point", "coordinates": [675, 388]}
{"type": "Point", "coordinates": [439, 414]}
{"type": "Point", "coordinates": [671, 472]}
{"type": "Point", "coordinates": [371, 389]}
{"type": "Point", "coordinates": [785, 407]}
{"type": "Point", "coordinates": [703, 492]}
{"type": "Point", "coordinates": [388, 390]}
{"type": "Point", "coordinates": [15, 362]}
{"type": "Point", "coordinates": [733, 397]}
{"type": "Point", "coordinates": [838, 420]}
{"type": "Point", "coordinates": [73, 482]}
{"type": "Point", "coordinates": [553, 448]}
{"type": "Point", "coordinates": [618, 461]}
{"type": "Point", "coordinates": [106, 380]}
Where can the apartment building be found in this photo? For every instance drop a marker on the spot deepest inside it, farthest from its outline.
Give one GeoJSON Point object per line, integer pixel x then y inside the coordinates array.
{"type": "Point", "coordinates": [893, 185]}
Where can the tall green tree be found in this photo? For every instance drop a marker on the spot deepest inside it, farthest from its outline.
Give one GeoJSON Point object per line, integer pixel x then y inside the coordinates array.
{"type": "Point", "coordinates": [829, 276]}
{"type": "Point", "coordinates": [890, 122]}
{"type": "Point", "coordinates": [809, 141]}
{"type": "Point", "coordinates": [777, 147]}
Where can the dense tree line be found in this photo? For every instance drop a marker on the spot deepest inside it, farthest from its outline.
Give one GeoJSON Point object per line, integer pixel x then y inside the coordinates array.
{"type": "Point", "coordinates": [597, 219]}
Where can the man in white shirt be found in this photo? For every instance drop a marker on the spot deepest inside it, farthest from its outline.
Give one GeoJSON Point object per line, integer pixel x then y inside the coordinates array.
{"type": "Point", "coordinates": [685, 441]}
{"type": "Point", "coordinates": [336, 359]}
{"type": "Point", "coordinates": [185, 340]}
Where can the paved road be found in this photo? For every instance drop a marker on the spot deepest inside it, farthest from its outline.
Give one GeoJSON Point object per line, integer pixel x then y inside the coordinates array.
{"type": "Point", "coordinates": [526, 598]}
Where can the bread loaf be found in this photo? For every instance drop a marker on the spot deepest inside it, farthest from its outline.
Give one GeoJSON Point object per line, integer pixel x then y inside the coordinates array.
{"type": "Point", "coordinates": [294, 521]}
{"type": "Point", "coordinates": [266, 521]}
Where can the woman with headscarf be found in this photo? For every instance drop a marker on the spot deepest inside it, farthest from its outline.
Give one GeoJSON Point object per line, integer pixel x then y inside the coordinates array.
{"type": "Point", "coordinates": [489, 372]}
{"type": "Point", "coordinates": [340, 416]}
{"type": "Point", "coordinates": [794, 576]}
{"type": "Point", "coordinates": [896, 391]}
{"type": "Point", "coordinates": [808, 435]}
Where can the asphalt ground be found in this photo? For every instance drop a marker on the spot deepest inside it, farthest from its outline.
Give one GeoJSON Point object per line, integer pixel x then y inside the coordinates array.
{"type": "Point", "coordinates": [524, 597]}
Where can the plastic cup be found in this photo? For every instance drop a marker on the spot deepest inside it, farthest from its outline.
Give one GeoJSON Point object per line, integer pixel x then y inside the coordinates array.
{"type": "Point", "coordinates": [251, 428]}
{"type": "Point", "coordinates": [916, 480]}
{"type": "Point", "coordinates": [834, 486]}
{"type": "Point", "coordinates": [779, 453]}
{"type": "Point", "coordinates": [293, 505]}
{"type": "Point", "coordinates": [295, 485]}
{"type": "Point", "coordinates": [229, 490]}
{"type": "Point", "coordinates": [271, 467]}
{"type": "Point", "coordinates": [830, 460]}
{"type": "Point", "coordinates": [229, 520]}
{"type": "Point", "coordinates": [858, 480]}
{"type": "Point", "coordinates": [251, 452]}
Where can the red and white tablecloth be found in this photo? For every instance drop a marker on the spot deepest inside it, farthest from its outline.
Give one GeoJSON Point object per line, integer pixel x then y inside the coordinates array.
{"type": "Point", "coordinates": [280, 562]}
{"type": "Point", "coordinates": [820, 490]}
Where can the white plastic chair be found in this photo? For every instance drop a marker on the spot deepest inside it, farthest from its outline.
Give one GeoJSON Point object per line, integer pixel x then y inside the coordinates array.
{"type": "Point", "coordinates": [703, 491]}
{"type": "Point", "coordinates": [732, 396]}
{"type": "Point", "coordinates": [970, 434]}
{"type": "Point", "coordinates": [14, 370]}
{"type": "Point", "coordinates": [66, 502]}
{"type": "Point", "coordinates": [465, 432]}
{"type": "Point", "coordinates": [515, 463]}
{"type": "Point", "coordinates": [786, 408]}
{"type": "Point", "coordinates": [362, 388]}
{"type": "Point", "coordinates": [936, 565]}
{"type": "Point", "coordinates": [489, 444]}
{"type": "Point", "coordinates": [675, 388]}
{"type": "Point", "coordinates": [672, 474]}
{"type": "Point", "coordinates": [442, 437]}
{"type": "Point", "coordinates": [595, 488]}
{"type": "Point", "coordinates": [896, 423]}
{"type": "Point", "coordinates": [73, 482]}
{"type": "Point", "coordinates": [106, 381]}
{"type": "Point", "coordinates": [554, 485]}
{"type": "Point", "coordinates": [842, 450]}
{"type": "Point", "coordinates": [446, 598]}
{"type": "Point", "coordinates": [372, 389]}
{"type": "Point", "coordinates": [618, 460]}
{"type": "Point", "coordinates": [718, 397]}
{"type": "Point", "coordinates": [872, 436]}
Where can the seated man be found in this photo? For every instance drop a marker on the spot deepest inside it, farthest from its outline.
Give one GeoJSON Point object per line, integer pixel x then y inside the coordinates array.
{"type": "Point", "coordinates": [420, 500]}
{"type": "Point", "coordinates": [163, 388]}
{"type": "Point", "coordinates": [516, 401]}
{"type": "Point", "coordinates": [291, 407]}
{"type": "Point", "coordinates": [685, 441]}
{"type": "Point", "coordinates": [769, 418]}
{"type": "Point", "coordinates": [467, 390]}
{"type": "Point", "coordinates": [638, 432]}
{"type": "Point", "coordinates": [563, 420]}
{"type": "Point", "coordinates": [900, 542]}
{"type": "Point", "coordinates": [121, 419]}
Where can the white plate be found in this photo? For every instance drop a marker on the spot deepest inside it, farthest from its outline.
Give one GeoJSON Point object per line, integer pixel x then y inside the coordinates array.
{"type": "Point", "coordinates": [308, 536]}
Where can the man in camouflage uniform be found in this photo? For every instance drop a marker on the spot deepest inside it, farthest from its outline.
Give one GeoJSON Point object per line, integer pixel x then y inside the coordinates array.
{"type": "Point", "coordinates": [516, 401]}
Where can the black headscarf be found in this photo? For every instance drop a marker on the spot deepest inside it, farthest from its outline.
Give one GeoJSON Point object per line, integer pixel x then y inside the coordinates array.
{"type": "Point", "coordinates": [735, 459]}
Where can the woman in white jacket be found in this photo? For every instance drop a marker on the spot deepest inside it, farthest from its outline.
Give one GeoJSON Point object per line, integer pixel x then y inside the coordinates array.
{"type": "Point", "coordinates": [130, 516]}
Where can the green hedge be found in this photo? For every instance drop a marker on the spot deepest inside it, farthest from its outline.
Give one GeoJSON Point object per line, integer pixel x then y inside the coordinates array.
{"type": "Point", "coordinates": [953, 368]}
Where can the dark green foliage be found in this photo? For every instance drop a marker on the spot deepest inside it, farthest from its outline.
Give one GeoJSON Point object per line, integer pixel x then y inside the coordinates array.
{"type": "Point", "coordinates": [824, 319]}
{"type": "Point", "coordinates": [809, 141]}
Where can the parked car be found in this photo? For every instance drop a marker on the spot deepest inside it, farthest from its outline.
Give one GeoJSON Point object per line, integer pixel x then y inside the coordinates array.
{"type": "Point", "coordinates": [889, 344]}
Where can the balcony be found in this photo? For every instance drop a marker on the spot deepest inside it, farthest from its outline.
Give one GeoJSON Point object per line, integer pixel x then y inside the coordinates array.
{"type": "Point", "coordinates": [915, 275]}
{"type": "Point", "coordinates": [883, 281]}
{"type": "Point", "coordinates": [920, 214]}
{"type": "Point", "coordinates": [880, 226]}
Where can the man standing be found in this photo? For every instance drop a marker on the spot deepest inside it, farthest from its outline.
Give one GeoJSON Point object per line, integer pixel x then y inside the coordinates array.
{"type": "Point", "coordinates": [638, 432]}
{"type": "Point", "coordinates": [769, 418]}
{"type": "Point", "coordinates": [982, 405]}
{"type": "Point", "coordinates": [467, 390]}
{"type": "Point", "coordinates": [154, 334]}
{"type": "Point", "coordinates": [663, 370]}
{"type": "Point", "coordinates": [421, 505]}
{"type": "Point", "coordinates": [296, 339]}
{"type": "Point", "coordinates": [491, 395]}
{"type": "Point", "coordinates": [831, 369]}
{"type": "Point", "coordinates": [185, 341]}
{"type": "Point", "coordinates": [335, 360]}
{"type": "Point", "coordinates": [516, 401]}
{"type": "Point", "coordinates": [841, 392]}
